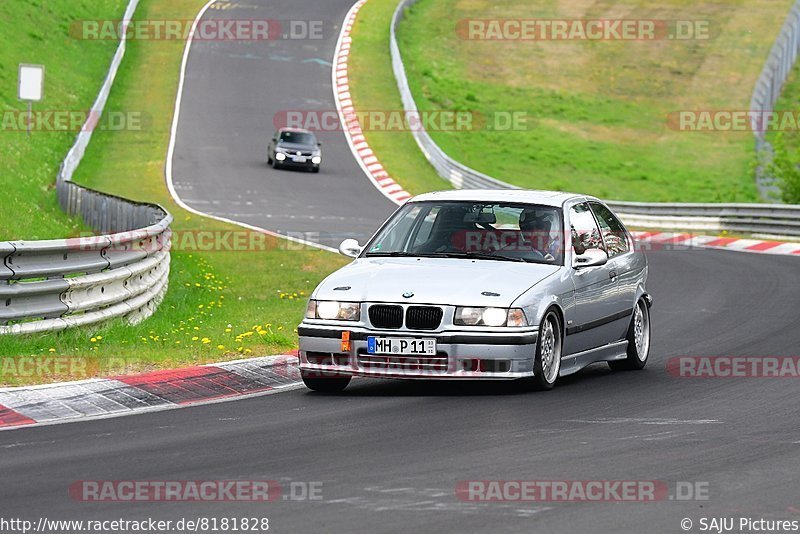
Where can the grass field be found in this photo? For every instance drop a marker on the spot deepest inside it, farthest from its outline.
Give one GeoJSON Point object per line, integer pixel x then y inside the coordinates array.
{"type": "Point", "coordinates": [221, 305]}
{"type": "Point", "coordinates": [29, 165]}
{"type": "Point", "coordinates": [597, 111]}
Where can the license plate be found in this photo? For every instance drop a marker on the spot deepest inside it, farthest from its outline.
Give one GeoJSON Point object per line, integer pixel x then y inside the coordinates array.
{"type": "Point", "coordinates": [401, 346]}
{"type": "Point", "coordinates": [298, 159]}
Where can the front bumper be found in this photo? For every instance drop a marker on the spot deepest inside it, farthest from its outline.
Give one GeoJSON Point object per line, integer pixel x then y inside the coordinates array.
{"type": "Point", "coordinates": [460, 354]}
{"type": "Point", "coordinates": [307, 164]}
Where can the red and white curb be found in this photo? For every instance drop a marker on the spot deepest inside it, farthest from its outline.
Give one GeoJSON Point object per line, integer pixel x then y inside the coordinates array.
{"type": "Point", "coordinates": [675, 241]}
{"type": "Point", "coordinates": [364, 155]}
{"type": "Point", "coordinates": [159, 390]}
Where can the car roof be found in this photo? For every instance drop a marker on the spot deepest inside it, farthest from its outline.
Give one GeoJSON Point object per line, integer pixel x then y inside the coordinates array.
{"type": "Point", "coordinates": [525, 196]}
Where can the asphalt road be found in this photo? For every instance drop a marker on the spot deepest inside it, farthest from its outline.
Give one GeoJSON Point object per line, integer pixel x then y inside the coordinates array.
{"type": "Point", "coordinates": [390, 454]}
{"type": "Point", "coordinates": [235, 93]}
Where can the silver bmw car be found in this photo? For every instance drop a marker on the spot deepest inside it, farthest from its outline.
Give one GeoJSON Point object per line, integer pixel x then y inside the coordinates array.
{"type": "Point", "coordinates": [482, 284]}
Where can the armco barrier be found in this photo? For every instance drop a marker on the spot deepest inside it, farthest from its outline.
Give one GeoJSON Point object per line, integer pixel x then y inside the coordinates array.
{"type": "Point", "coordinates": [51, 285]}
{"type": "Point", "coordinates": [772, 220]}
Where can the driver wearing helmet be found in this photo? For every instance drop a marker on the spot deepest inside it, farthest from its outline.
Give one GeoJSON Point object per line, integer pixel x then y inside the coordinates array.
{"type": "Point", "coordinates": [536, 228]}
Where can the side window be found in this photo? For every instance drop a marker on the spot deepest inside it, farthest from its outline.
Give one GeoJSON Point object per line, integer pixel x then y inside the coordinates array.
{"type": "Point", "coordinates": [614, 234]}
{"type": "Point", "coordinates": [585, 234]}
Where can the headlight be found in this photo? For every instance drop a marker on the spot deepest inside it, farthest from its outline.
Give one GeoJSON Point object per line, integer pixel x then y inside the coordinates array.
{"type": "Point", "coordinates": [489, 317]}
{"type": "Point", "coordinates": [280, 156]}
{"type": "Point", "coordinates": [330, 309]}
{"type": "Point", "coordinates": [316, 160]}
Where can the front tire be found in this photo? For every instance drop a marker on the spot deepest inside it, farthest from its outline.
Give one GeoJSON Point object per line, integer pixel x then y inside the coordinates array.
{"type": "Point", "coordinates": [638, 340]}
{"type": "Point", "coordinates": [547, 362]}
{"type": "Point", "coordinates": [324, 383]}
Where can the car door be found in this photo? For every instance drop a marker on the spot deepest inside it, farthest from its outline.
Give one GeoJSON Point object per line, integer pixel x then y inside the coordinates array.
{"type": "Point", "coordinates": [623, 263]}
{"type": "Point", "coordinates": [595, 287]}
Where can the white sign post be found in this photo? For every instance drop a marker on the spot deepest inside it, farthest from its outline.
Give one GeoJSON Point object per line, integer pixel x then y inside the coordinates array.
{"type": "Point", "coordinates": [31, 87]}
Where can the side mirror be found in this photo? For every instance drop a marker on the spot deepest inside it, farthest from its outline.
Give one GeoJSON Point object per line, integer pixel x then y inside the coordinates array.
{"type": "Point", "coordinates": [319, 144]}
{"type": "Point", "coordinates": [592, 257]}
{"type": "Point", "coordinates": [350, 247]}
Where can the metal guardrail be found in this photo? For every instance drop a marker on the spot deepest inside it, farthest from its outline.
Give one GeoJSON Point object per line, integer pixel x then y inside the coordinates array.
{"type": "Point", "coordinates": [768, 89]}
{"type": "Point", "coordinates": [770, 220]}
{"type": "Point", "coordinates": [51, 285]}
{"type": "Point", "coordinates": [773, 220]}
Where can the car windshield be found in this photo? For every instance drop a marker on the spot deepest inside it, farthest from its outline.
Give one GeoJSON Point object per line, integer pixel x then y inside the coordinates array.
{"type": "Point", "coordinates": [298, 138]}
{"type": "Point", "coordinates": [485, 231]}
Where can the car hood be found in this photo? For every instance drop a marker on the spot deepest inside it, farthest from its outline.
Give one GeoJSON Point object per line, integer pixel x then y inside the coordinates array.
{"type": "Point", "coordinates": [295, 146]}
{"type": "Point", "coordinates": [454, 281]}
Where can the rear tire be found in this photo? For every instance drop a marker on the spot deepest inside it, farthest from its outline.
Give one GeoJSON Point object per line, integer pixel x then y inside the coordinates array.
{"type": "Point", "coordinates": [547, 362]}
{"type": "Point", "coordinates": [638, 340]}
{"type": "Point", "coordinates": [323, 383]}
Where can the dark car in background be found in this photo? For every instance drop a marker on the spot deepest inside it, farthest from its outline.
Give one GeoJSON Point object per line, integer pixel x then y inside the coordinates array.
{"type": "Point", "coordinates": [294, 147]}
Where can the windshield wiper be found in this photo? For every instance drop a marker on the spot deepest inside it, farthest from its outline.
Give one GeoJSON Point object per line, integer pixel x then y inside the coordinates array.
{"type": "Point", "coordinates": [477, 255]}
{"type": "Point", "coordinates": [469, 255]}
{"type": "Point", "coordinates": [393, 254]}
